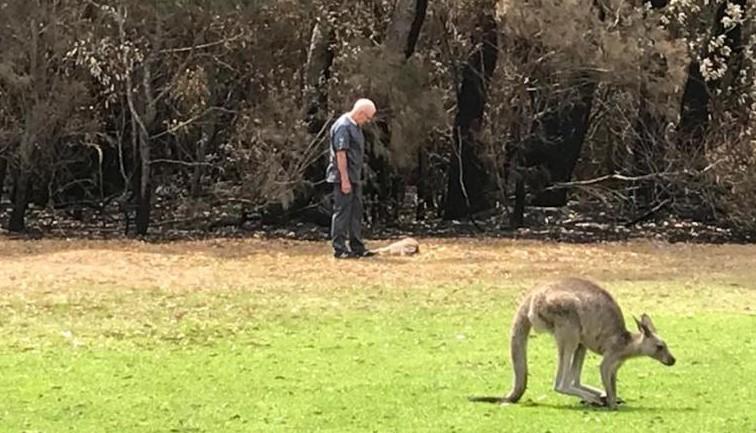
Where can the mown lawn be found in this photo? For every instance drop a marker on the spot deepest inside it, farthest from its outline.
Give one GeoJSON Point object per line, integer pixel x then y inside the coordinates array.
{"type": "Point", "coordinates": [268, 336]}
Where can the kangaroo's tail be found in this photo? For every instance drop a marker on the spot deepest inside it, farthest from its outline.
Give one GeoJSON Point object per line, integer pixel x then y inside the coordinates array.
{"type": "Point", "coordinates": [518, 350]}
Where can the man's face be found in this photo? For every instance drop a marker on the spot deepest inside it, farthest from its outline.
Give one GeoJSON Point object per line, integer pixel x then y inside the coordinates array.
{"type": "Point", "coordinates": [365, 116]}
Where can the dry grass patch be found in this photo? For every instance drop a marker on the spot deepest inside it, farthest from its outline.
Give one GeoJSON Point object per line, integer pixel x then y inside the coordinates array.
{"type": "Point", "coordinates": [280, 276]}
{"type": "Point", "coordinates": [44, 266]}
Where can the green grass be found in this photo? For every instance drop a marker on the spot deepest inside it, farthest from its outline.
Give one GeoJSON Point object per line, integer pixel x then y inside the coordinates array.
{"type": "Point", "coordinates": [384, 359]}
{"type": "Point", "coordinates": [403, 370]}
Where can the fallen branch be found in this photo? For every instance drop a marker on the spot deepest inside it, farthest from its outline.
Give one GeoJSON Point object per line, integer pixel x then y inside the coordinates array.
{"type": "Point", "coordinates": [622, 177]}
{"type": "Point", "coordinates": [202, 46]}
{"type": "Point", "coordinates": [179, 162]}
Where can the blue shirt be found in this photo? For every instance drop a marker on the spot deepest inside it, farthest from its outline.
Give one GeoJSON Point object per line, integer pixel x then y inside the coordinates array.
{"type": "Point", "coordinates": [347, 136]}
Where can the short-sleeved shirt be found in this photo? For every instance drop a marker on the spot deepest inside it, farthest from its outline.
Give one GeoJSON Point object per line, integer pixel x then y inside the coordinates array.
{"type": "Point", "coordinates": [347, 136]}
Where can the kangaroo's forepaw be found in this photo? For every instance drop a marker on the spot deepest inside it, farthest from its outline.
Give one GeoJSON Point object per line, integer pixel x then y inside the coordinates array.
{"type": "Point", "coordinates": [611, 405]}
{"type": "Point", "coordinates": [618, 400]}
{"type": "Point", "coordinates": [603, 402]}
{"type": "Point", "coordinates": [487, 399]}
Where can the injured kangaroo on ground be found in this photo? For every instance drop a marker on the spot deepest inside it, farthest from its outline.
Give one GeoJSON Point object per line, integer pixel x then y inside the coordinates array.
{"type": "Point", "coordinates": [404, 247]}
{"type": "Point", "coordinates": [581, 316]}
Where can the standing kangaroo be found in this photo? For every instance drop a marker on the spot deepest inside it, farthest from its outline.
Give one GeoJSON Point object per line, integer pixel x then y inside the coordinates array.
{"type": "Point", "coordinates": [580, 315]}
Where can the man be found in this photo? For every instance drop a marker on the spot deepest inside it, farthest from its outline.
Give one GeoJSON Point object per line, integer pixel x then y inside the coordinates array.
{"type": "Point", "coordinates": [345, 173]}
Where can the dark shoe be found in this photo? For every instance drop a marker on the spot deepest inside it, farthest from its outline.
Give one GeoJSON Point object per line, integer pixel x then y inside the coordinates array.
{"type": "Point", "coordinates": [345, 255]}
{"type": "Point", "coordinates": [366, 253]}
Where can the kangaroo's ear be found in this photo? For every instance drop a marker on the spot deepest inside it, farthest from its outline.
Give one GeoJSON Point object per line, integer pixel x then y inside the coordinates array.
{"type": "Point", "coordinates": [642, 327]}
{"type": "Point", "coordinates": [638, 323]}
{"type": "Point", "coordinates": [646, 321]}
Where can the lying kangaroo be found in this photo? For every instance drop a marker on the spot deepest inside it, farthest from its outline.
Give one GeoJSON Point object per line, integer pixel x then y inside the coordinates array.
{"type": "Point", "coordinates": [580, 315]}
{"type": "Point", "coordinates": [404, 247]}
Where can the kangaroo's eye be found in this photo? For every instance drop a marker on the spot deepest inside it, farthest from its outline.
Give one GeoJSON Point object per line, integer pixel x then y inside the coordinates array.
{"type": "Point", "coordinates": [659, 347]}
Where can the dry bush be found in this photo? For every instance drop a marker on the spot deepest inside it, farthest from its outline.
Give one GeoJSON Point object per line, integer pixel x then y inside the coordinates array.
{"type": "Point", "coordinates": [269, 151]}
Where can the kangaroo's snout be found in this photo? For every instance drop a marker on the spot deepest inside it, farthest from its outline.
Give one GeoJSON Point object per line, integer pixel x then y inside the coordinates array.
{"type": "Point", "coordinates": [670, 361]}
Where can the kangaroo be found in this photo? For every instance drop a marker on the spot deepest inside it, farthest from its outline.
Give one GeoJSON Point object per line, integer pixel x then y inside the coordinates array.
{"type": "Point", "coordinates": [581, 316]}
{"type": "Point", "coordinates": [404, 247]}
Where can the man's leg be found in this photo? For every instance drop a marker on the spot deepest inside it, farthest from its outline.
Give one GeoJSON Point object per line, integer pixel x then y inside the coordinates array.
{"type": "Point", "coordinates": [342, 206]}
{"type": "Point", "coordinates": [355, 240]}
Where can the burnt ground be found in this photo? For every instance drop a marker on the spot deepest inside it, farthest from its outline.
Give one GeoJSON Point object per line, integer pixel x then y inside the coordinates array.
{"type": "Point", "coordinates": [571, 224]}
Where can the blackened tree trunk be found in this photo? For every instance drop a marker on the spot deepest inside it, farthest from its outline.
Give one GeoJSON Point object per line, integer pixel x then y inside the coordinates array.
{"type": "Point", "coordinates": [208, 134]}
{"type": "Point", "coordinates": [17, 222]}
{"type": "Point", "coordinates": [467, 177]}
{"type": "Point", "coordinates": [144, 190]}
{"type": "Point", "coordinates": [563, 134]}
{"type": "Point", "coordinates": [734, 39]}
{"type": "Point", "coordinates": [317, 73]}
{"type": "Point", "coordinates": [399, 45]}
{"type": "Point", "coordinates": [3, 171]}
{"type": "Point", "coordinates": [142, 118]}
{"type": "Point", "coordinates": [558, 138]}
{"type": "Point", "coordinates": [195, 185]}
{"type": "Point", "coordinates": [517, 218]}
{"type": "Point", "coordinates": [406, 23]}
{"type": "Point", "coordinates": [424, 191]}
{"type": "Point", "coordinates": [649, 147]}
{"type": "Point", "coordinates": [695, 110]}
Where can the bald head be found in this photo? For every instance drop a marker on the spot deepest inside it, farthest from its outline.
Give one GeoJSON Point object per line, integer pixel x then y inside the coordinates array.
{"type": "Point", "coordinates": [363, 111]}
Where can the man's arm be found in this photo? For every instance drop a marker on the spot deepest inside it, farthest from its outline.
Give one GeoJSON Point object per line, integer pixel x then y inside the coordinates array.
{"type": "Point", "coordinates": [341, 162]}
{"type": "Point", "coordinates": [341, 143]}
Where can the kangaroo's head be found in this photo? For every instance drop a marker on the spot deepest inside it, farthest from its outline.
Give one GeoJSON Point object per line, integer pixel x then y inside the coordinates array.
{"type": "Point", "coordinates": [651, 344]}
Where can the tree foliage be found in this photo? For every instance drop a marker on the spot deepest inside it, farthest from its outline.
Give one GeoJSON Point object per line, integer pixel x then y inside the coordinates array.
{"type": "Point", "coordinates": [179, 108]}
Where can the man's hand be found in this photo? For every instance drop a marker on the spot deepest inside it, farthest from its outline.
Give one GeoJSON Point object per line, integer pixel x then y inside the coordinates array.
{"type": "Point", "coordinates": [346, 186]}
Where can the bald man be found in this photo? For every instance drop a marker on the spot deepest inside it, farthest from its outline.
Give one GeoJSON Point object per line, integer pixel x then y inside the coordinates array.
{"type": "Point", "coordinates": [345, 173]}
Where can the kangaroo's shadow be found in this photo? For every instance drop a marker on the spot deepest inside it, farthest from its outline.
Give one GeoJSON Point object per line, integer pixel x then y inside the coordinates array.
{"type": "Point", "coordinates": [530, 404]}
{"type": "Point", "coordinates": [623, 408]}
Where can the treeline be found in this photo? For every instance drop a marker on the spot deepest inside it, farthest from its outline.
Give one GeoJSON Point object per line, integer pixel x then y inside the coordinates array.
{"type": "Point", "coordinates": [183, 107]}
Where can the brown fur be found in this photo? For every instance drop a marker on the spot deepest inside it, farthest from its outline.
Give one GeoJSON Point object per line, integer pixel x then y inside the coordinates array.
{"type": "Point", "coordinates": [581, 316]}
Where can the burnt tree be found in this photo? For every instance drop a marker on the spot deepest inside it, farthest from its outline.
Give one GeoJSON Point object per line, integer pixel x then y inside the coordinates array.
{"type": "Point", "coordinates": [401, 39]}
{"type": "Point", "coordinates": [406, 23]}
{"type": "Point", "coordinates": [317, 72]}
{"type": "Point", "coordinates": [648, 148]}
{"type": "Point", "coordinates": [554, 147]}
{"type": "Point", "coordinates": [695, 109]}
{"type": "Point", "coordinates": [3, 171]}
{"type": "Point", "coordinates": [557, 146]}
{"type": "Point", "coordinates": [468, 179]}
{"type": "Point", "coordinates": [20, 198]}
{"type": "Point", "coordinates": [41, 104]}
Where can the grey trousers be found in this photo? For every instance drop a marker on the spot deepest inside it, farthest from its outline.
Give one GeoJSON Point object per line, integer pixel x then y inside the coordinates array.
{"type": "Point", "coordinates": [346, 222]}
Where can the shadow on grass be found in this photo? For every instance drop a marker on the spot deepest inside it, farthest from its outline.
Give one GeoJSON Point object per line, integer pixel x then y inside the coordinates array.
{"type": "Point", "coordinates": [622, 408]}
{"type": "Point", "coordinates": [529, 404]}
